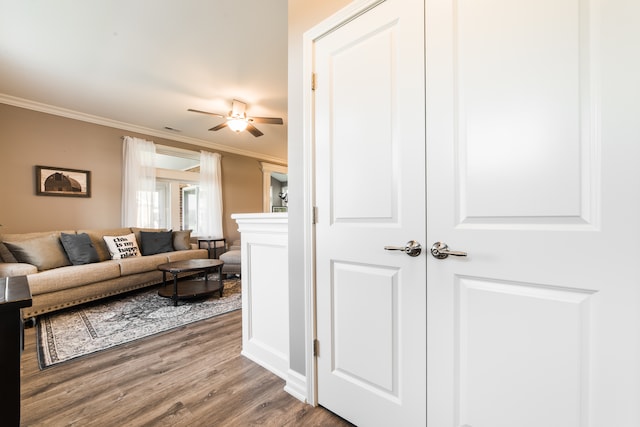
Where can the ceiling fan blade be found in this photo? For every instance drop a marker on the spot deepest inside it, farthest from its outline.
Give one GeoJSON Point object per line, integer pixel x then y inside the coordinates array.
{"type": "Point", "coordinates": [268, 120]}
{"type": "Point", "coordinates": [220, 126]}
{"type": "Point", "coordinates": [205, 112]}
{"type": "Point", "coordinates": [253, 130]}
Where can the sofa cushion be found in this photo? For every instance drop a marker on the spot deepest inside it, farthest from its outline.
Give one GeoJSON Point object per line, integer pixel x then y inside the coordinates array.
{"type": "Point", "coordinates": [141, 264]}
{"type": "Point", "coordinates": [157, 242]}
{"type": "Point", "coordinates": [122, 246]}
{"type": "Point", "coordinates": [182, 240]}
{"type": "Point", "coordinates": [79, 248]}
{"type": "Point", "coordinates": [231, 257]}
{"type": "Point", "coordinates": [183, 255]}
{"type": "Point", "coordinates": [98, 241]}
{"type": "Point", "coordinates": [45, 252]}
{"type": "Point", "coordinates": [72, 276]}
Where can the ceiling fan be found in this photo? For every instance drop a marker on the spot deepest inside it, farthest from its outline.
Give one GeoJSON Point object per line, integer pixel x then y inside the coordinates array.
{"type": "Point", "coordinates": [237, 119]}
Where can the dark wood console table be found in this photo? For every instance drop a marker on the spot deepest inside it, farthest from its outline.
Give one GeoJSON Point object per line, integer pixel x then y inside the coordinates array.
{"type": "Point", "coordinates": [14, 295]}
{"type": "Point", "coordinates": [190, 288]}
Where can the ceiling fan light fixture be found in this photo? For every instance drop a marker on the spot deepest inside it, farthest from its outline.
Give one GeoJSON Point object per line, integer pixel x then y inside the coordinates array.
{"type": "Point", "coordinates": [238, 121]}
{"type": "Point", "coordinates": [237, 125]}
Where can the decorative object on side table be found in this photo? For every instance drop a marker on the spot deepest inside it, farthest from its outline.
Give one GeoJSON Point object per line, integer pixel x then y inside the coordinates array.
{"type": "Point", "coordinates": [55, 181]}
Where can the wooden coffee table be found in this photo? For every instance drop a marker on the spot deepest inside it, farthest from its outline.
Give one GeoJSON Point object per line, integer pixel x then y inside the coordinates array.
{"type": "Point", "coordinates": [190, 288]}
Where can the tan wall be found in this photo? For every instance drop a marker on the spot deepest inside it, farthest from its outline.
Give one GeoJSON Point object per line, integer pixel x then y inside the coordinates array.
{"type": "Point", "coordinates": [241, 190]}
{"type": "Point", "coordinates": [29, 138]}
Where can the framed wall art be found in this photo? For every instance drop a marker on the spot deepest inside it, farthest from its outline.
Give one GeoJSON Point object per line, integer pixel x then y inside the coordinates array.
{"type": "Point", "coordinates": [54, 181]}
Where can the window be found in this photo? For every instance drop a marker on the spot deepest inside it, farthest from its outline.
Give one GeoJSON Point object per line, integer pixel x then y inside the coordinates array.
{"type": "Point", "coordinates": [177, 171]}
{"type": "Point", "coordinates": [190, 207]}
{"type": "Point", "coordinates": [161, 205]}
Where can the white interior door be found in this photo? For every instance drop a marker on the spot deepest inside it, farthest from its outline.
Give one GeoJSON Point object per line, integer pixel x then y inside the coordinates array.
{"type": "Point", "coordinates": [370, 193]}
{"type": "Point", "coordinates": [532, 168]}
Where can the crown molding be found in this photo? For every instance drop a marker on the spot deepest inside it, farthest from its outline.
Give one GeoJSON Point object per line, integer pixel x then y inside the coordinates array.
{"type": "Point", "coordinates": [76, 115]}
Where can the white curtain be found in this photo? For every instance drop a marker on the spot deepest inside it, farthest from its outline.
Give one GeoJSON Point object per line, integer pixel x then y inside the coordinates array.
{"type": "Point", "coordinates": [210, 196]}
{"type": "Point", "coordinates": [138, 182]}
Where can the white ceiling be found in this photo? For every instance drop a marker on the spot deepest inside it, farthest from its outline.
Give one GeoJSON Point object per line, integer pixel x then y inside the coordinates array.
{"type": "Point", "coordinates": [140, 64]}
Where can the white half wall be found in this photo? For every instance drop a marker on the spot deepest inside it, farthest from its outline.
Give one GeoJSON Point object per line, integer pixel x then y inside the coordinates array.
{"type": "Point", "coordinates": [265, 290]}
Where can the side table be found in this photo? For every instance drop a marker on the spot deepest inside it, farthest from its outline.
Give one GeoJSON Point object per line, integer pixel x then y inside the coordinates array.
{"type": "Point", "coordinates": [215, 247]}
{"type": "Point", "coordinates": [14, 295]}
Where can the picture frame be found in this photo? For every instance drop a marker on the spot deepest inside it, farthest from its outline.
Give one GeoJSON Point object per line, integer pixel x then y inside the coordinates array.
{"type": "Point", "coordinates": [64, 182]}
{"type": "Point", "coordinates": [279, 208]}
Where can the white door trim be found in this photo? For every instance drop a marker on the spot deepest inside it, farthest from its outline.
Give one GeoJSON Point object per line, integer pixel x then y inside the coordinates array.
{"type": "Point", "coordinates": [308, 184]}
{"type": "Point", "coordinates": [267, 169]}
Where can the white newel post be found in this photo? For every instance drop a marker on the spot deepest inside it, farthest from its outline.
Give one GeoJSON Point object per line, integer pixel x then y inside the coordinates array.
{"type": "Point", "coordinates": [265, 290]}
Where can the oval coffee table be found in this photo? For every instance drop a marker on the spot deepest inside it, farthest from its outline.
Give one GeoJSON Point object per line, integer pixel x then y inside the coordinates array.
{"type": "Point", "coordinates": [190, 288]}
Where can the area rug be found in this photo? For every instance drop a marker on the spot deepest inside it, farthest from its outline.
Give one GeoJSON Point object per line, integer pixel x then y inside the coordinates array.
{"type": "Point", "coordinates": [97, 326]}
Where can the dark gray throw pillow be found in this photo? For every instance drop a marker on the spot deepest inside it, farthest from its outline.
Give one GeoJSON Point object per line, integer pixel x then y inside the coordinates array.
{"type": "Point", "coordinates": [79, 248]}
{"type": "Point", "coordinates": [156, 242]}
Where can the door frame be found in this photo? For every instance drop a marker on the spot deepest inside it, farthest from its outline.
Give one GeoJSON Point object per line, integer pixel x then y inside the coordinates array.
{"type": "Point", "coordinates": [309, 38]}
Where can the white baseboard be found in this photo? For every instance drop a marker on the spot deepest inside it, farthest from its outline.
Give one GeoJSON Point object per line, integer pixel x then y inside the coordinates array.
{"type": "Point", "coordinates": [296, 385]}
{"type": "Point", "coordinates": [265, 363]}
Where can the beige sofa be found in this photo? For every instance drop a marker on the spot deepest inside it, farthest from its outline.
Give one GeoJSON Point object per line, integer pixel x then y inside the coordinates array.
{"type": "Point", "coordinates": [56, 283]}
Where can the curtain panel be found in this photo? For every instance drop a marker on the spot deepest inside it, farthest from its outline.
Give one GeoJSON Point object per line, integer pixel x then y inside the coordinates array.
{"type": "Point", "coordinates": [210, 196]}
{"type": "Point", "coordinates": [138, 182]}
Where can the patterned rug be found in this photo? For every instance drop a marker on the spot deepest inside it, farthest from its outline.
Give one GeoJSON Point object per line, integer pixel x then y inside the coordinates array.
{"type": "Point", "coordinates": [85, 329]}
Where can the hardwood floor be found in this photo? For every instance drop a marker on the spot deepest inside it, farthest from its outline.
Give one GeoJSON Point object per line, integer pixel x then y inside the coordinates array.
{"type": "Point", "coordinates": [190, 376]}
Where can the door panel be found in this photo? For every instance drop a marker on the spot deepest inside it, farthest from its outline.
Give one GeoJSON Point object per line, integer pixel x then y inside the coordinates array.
{"type": "Point", "coordinates": [524, 111]}
{"type": "Point", "coordinates": [520, 107]}
{"type": "Point", "coordinates": [370, 334]}
{"type": "Point", "coordinates": [370, 186]}
{"type": "Point", "coordinates": [548, 361]}
{"type": "Point", "coordinates": [363, 185]}
{"type": "Point", "coordinates": [529, 147]}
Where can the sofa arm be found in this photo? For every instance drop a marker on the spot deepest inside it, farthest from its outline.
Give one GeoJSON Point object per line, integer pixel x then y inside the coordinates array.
{"type": "Point", "coordinates": [10, 269]}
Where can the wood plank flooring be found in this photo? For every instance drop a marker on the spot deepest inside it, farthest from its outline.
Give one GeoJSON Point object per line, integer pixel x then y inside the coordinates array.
{"type": "Point", "coordinates": [190, 376]}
